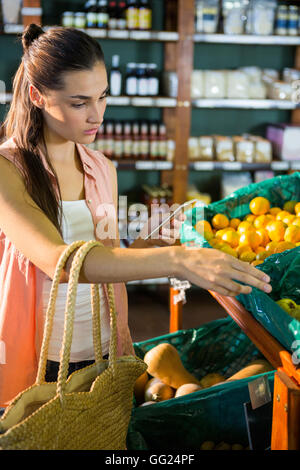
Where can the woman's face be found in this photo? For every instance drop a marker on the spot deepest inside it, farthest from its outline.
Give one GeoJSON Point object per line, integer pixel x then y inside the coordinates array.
{"type": "Point", "coordinates": [75, 112]}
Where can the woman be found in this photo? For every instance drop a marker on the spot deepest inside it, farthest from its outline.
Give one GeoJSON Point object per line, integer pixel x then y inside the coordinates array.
{"type": "Point", "coordinates": [54, 190]}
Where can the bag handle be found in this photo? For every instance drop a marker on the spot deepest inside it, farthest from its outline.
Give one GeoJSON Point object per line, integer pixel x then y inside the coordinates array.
{"type": "Point", "coordinates": [69, 315]}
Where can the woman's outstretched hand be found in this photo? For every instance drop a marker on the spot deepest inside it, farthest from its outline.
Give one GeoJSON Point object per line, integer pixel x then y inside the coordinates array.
{"type": "Point", "coordinates": [219, 272]}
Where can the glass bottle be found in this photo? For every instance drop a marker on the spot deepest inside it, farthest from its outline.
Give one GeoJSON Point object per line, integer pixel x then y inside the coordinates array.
{"type": "Point", "coordinates": [102, 14]}
{"type": "Point", "coordinates": [144, 142]}
{"type": "Point", "coordinates": [153, 141]}
{"type": "Point", "coordinates": [132, 14]}
{"type": "Point", "coordinates": [131, 80]}
{"type": "Point", "coordinates": [145, 15]}
{"type": "Point", "coordinates": [127, 141]}
{"type": "Point", "coordinates": [112, 14]}
{"type": "Point", "coordinates": [91, 14]}
{"type": "Point", "coordinates": [121, 14]}
{"type": "Point", "coordinates": [153, 81]}
{"type": "Point", "coordinates": [142, 83]}
{"type": "Point", "coordinates": [135, 141]}
{"type": "Point", "coordinates": [162, 142]}
{"type": "Point", "coordinates": [119, 141]}
{"type": "Point", "coordinates": [115, 77]}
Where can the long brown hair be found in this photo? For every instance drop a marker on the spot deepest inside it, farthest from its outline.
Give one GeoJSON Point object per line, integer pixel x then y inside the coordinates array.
{"type": "Point", "coordinates": [47, 56]}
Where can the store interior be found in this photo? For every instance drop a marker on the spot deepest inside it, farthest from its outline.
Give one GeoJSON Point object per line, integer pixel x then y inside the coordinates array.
{"type": "Point", "coordinates": [203, 101]}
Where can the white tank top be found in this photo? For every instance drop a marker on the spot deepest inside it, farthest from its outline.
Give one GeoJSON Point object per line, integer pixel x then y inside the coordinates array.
{"type": "Point", "coordinates": [77, 224]}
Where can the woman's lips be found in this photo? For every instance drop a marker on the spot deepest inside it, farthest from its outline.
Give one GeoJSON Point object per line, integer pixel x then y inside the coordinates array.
{"type": "Point", "coordinates": [91, 131]}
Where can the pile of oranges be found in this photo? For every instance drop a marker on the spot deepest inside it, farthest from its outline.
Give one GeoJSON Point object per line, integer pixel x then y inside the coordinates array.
{"type": "Point", "coordinates": [264, 231]}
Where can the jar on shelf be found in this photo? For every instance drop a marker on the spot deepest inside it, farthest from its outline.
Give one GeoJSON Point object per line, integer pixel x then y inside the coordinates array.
{"type": "Point", "coordinates": [79, 20]}
{"type": "Point", "coordinates": [279, 90]}
{"type": "Point", "coordinates": [67, 19]}
{"type": "Point", "coordinates": [281, 22]}
{"type": "Point", "coordinates": [293, 19]}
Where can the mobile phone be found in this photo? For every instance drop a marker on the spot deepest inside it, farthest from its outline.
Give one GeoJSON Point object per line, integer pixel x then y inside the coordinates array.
{"type": "Point", "coordinates": [170, 217]}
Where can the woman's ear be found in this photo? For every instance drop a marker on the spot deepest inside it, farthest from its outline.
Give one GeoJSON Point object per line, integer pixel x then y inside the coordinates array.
{"type": "Point", "coordinates": [36, 97]}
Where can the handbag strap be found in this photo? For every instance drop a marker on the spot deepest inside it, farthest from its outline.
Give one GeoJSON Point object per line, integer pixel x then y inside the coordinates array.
{"type": "Point", "coordinates": [69, 318]}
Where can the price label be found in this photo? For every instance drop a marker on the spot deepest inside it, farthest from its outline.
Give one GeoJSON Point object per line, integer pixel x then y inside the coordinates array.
{"type": "Point", "coordinates": [142, 102]}
{"type": "Point", "coordinates": [295, 165]}
{"type": "Point", "coordinates": [279, 166]}
{"type": "Point", "coordinates": [97, 32]}
{"type": "Point", "coordinates": [144, 166]}
{"type": "Point", "coordinates": [163, 165]}
{"type": "Point", "coordinates": [116, 34]}
{"type": "Point", "coordinates": [139, 35]}
{"type": "Point", "coordinates": [232, 166]}
{"type": "Point", "coordinates": [167, 36]}
{"type": "Point", "coordinates": [203, 166]}
{"type": "Point", "coordinates": [13, 28]}
{"type": "Point", "coordinates": [118, 100]}
{"type": "Point", "coordinates": [165, 103]}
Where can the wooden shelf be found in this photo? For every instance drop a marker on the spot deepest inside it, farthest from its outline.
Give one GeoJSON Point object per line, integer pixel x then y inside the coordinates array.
{"type": "Point", "coordinates": [244, 103]}
{"type": "Point", "coordinates": [247, 39]}
{"type": "Point", "coordinates": [239, 166]}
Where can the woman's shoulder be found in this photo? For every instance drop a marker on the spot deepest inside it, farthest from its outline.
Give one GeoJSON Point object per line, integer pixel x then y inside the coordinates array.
{"type": "Point", "coordinates": [8, 149]}
{"type": "Point", "coordinates": [96, 159]}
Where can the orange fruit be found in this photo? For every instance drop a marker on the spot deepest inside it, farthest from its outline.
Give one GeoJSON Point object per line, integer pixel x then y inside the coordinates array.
{"type": "Point", "coordinates": [256, 262]}
{"type": "Point", "coordinates": [259, 205]}
{"type": "Point", "coordinates": [247, 256]}
{"type": "Point", "coordinates": [229, 250]}
{"type": "Point", "coordinates": [250, 218]}
{"type": "Point", "coordinates": [281, 215]}
{"type": "Point", "coordinates": [214, 241]}
{"type": "Point", "coordinates": [204, 228]}
{"type": "Point", "coordinates": [276, 230]}
{"type": "Point", "coordinates": [220, 233]}
{"type": "Point", "coordinates": [262, 255]}
{"type": "Point", "coordinates": [250, 238]}
{"type": "Point", "coordinates": [244, 226]}
{"type": "Point", "coordinates": [270, 247]}
{"type": "Point", "coordinates": [230, 237]}
{"type": "Point", "coordinates": [288, 219]}
{"type": "Point", "coordinates": [234, 223]}
{"type": "Point", "coordinates": [296, 221]}
{"type": "Point", "coordinates": [283, 246]}
{"type": "Point", "coordinates": [220, 221]}
{"type": "Point", "coordinates": [297, 208]}
{"type": "Point", "coordinates": [259, 249]}
{"type": "Point", "coordinates": [292, 234]}
{"type": "Point", "coordinates": [241, 248]}
{"type": "Point", "coordinates": [275, 210]}
{"type": "Point", "coordinates": [290, 206]}
{"type": "Point", "coordinates": [261, 221]}
{"type": "Point", "coordinates": [262, 232]}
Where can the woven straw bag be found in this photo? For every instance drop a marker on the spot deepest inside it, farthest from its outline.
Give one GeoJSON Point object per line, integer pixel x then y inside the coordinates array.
{"type": "Point", "coordinates": [89, 410]}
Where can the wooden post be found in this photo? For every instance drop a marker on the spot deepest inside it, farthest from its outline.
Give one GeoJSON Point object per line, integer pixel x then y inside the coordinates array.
{"type": "Point", "coordinates": [32, 12]}
{"type": "Point", "coordinates": [180, 58]}
{"type": "Point", "coordinates": [175, 312]}
{"type": "Point", "coordinates": [286, 413]}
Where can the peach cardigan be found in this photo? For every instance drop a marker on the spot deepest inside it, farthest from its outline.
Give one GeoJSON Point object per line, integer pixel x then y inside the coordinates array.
{"type": "Point", "coordinates": [21, 284]}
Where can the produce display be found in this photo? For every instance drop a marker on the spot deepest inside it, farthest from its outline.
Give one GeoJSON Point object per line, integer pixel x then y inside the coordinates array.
{"type": "Point", "coordinates": [290, 307]}
{"type": "Point", "coordinates": [167, 378]}
{"type": "Point", "coordinates": [264, 231]}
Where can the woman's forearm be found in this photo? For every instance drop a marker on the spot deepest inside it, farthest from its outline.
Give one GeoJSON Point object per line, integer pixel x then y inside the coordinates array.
{"type": "Point", "coordinates": [112, 265]}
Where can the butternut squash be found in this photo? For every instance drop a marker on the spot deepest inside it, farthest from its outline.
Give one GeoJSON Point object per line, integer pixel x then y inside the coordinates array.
{"type": "Point", "coordinates": [156, 390]}
{"type": "Point", "coordinates": [211, 379]}
{"type": "Point", "coordinates": [164, 363]}
{"type": "Point", "coordinates": [259, 366]}
{"type": "Point", "coordinates": [186, 389]}
{"type": "Point", "coordinates": [139, 387]}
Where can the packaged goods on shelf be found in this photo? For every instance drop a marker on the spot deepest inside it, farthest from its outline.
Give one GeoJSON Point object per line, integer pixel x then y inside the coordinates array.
{"type": "Point", "coordinates": [262, 149]}
{"type": "Point", "coordinates": [224, 150]}
{"type": "Point", "coordinates": [281, 23]}
{"type": "Point", "coordinates": [207, 16]}
{"type": "Point", "coordinates": [237, 84]}
{"type": "Point", "coordinates": [262, 17]}
{"type": "Point", "coordinates": [290, 75]}
{"type": "Point", "coordinates": [206, 147]}
{"type": "Point", "coordinates": [197, 85]}
{"type": "Point", "coordinates": [270, 75]}
{"type": "Point", "coordinates": [285, 139]}
{"type": "Point", "coordinates": [193, 149]}
{"type": "Point", "coordinates": [214, 84]}
{"type": "Point", "coordinates": [231, 181]}
{"type": "Point", "coordinates": [234, 16]}
{"type": "Point", "coordinates": [279, 90]}
{"type": "Point", "coordinates": [11, 12]}
{"type": "Point", "coordinates": [243, 149]}
{"type": "Point", "coordinates": [194, 193]}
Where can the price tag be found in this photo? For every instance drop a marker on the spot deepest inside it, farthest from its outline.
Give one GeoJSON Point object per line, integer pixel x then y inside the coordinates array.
{"type": "Point", "coordinates": [163, 165]}
{"type": "Point", "coordinates": [13, 28]}
{"type": "Point", "coordinates": [116, 34]}
{"type": "Point", "coordinates": [97, 32]}
{"type": "Point", "coordinates": [118, 100]}
{"type": "Point", "coordinates": [259, 391]}
{"type": "Point", "coordinates": [203, 166]}
{"type": "Point", "coordinates": [279, 166]}
{"type": "Point", "coordinates": [144, 165]}
{"type": "Point", "coordinates": [165, 102]}
{"type": "Point", "coordinates": [142, 102]}
{"type": "Point", "coordinates": [139, 35]}
{"type": "Point", "coordinates": [32, 11]}
{"type": "Point", "coordinates": [232, 166]}
{"type": "Point", "coordinates": [295, 165]}
{"type": "Point", "coordinates": [167, 36]}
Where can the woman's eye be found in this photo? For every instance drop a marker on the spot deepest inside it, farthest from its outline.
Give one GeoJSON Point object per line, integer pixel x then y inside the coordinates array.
{"type": "Point", "coordinates": [77, 105]}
